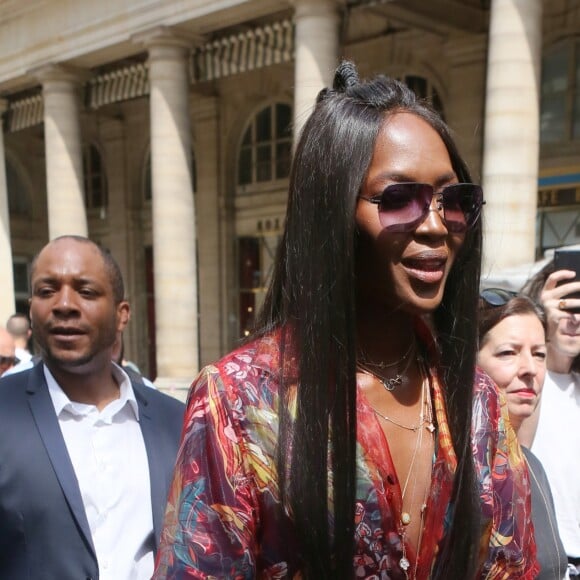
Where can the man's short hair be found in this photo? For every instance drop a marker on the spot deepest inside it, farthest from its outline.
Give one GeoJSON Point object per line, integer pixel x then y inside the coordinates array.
{"type": "Point", "coordinates": [113, 270]}
{"type": "Point", "coordinates": [18, 325]}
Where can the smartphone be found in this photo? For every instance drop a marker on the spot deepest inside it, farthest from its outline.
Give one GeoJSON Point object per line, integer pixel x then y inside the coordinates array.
{"type": "Point", "coordinates": [569, 260]}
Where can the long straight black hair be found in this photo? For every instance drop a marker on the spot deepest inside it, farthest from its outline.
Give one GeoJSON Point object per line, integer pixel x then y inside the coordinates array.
{"type": "Point", "coordinates": [312, 297]}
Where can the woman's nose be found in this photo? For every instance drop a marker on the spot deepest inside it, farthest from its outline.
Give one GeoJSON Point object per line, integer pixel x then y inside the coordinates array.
{"type": "Point", "coordinates": [528, 364]}
{"type": "Point", "coordinates": [434, 223]}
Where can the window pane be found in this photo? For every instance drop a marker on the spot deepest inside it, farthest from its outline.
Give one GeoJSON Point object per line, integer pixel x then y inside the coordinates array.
{"type": "Point", "coordinates": [555, 71]}
{"type": "Point", "coordinates": [264, 125]}
{"type": "Point", "coordinates": [20, 270]}
{"type": "Point", "coordinates": [95, 160]}
{"type": "Point", "coordinates": [245, 166]}
{"type": "Point", "coordinates": [249, 277]}
{"type": "Point", "coordinates": [247, 136]}
{"type": "Point", "coordinates": [249, 249]}
{"type": "Point", "coordinates": [283, 152]}
{"type": "Point", "coordinates": [283, 120]}
{"type": "Point", "coordinates": [264, 163]}
{"type": "Point", "coordinates": [553, 119]}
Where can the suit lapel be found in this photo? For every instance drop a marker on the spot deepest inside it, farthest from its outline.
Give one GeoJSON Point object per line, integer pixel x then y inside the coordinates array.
{"type": "Point", "coordinates": [157, 470]}
{"type": "Point", "coordinates": [49, 429]}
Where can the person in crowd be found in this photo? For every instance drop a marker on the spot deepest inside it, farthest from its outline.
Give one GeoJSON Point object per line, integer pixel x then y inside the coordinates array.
{"type": "Point", "coordinates": [18, 326]}
{"type": "Point", "coordinates": [512, 351]}
{"type": "Point", "coordinates": [86, 455]}
{"type": "Point", "coordinates": [553, 428]}
{"type": "Point", "coordinates": [7, 351]}
{"type": "Point", "coordinates": [336, 442]}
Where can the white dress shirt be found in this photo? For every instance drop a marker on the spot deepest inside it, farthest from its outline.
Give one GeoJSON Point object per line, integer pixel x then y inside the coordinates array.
{"type": "Point", "coordinates": [110, 461]}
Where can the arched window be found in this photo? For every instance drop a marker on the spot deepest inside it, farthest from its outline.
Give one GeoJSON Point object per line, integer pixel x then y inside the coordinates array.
{"type": "Point", "coordinates": [266, 147]}
{"type": "Point", "coordinates": [424, 89]}
{"type": "Point", "coordinates": [147, 183]}
{"type": "Point", "coordinates": [96, 193]}
{"type": "Point", "coordinates": [18, 198]}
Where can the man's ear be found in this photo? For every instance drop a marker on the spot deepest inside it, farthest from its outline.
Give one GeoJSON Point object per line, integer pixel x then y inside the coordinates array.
{"type": "Point", "coordinates": [123, 315]}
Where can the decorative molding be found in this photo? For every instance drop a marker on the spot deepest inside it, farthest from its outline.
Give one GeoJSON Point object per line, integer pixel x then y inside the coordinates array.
{"type": "Point", "coordinates": [25, 112]}
{"type": "Point", "coordinates": [249, 50]}
{"type": "Point", "coordinates": [117, 85]}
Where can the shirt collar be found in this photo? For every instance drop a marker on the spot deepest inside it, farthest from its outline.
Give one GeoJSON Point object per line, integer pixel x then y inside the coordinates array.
{"type": "Point", "coordinates": [61, 401]}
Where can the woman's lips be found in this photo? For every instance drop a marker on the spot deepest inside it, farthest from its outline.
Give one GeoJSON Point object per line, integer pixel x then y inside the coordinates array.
{"type": "Point", "coordinates": [428, 270]}
{"type": "Point", "coordinates": [525, 393]}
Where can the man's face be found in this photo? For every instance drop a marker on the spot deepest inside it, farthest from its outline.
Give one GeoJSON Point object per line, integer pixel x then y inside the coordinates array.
{"type": "Point", "coordinates": [72, 309]}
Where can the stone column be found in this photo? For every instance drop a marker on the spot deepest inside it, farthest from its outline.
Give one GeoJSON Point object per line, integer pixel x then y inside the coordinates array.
{"type": "Point", "coordinates": [7, 303]}
{"type": "Point", "coordinates": [511, 145]}
{"type": "Point", "coordinates": [207, 131]}
{"type": "Point", "coordinates": [174, 225]}
{"type": "Point", "coordinates": [317, 50]}
{"type": "Point", "coordinates": [64, 157]}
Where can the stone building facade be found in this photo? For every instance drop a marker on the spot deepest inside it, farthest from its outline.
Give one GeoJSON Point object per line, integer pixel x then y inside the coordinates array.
{"type": "Point", "coordinates": [163, 129]}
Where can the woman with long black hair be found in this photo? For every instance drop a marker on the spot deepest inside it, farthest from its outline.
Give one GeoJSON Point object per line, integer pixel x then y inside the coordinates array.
{"type": "Point", "coordinates": [336, 442]}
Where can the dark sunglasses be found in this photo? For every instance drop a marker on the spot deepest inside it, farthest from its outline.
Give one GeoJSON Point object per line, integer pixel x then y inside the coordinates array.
{"type": "Point", "coordinates": [8, 361]}
{"type": "Point", "coordinates": [403, 206]}
{"type": "Point", "coordinates": [497, 296]}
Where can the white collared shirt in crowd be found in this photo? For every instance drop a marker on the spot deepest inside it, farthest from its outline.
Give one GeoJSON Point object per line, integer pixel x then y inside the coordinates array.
{"type": "Point", "coordinates": [110, 461]}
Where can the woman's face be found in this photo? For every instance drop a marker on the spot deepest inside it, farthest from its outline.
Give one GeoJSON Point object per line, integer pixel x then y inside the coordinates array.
{"type": "Point", "coordinates": [405, 270]}
{"type": "Point", "coordinates": [514, 355]}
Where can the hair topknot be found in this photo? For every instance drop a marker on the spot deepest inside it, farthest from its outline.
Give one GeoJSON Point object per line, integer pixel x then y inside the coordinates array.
{"type": "Point", "coordinates": [345, 77]}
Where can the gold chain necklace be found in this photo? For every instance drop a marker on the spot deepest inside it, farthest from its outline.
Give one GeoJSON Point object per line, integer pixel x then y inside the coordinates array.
{"type": "Point", "coordinates": [394, 382]}
{"type": "Point", "coordinates": [392, 364]}
{"type": "Point", "coordinates": [404, 563]}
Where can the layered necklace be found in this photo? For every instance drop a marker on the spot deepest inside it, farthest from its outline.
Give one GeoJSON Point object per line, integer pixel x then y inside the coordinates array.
{"type": "Point", "coordinates": [400, 378]}
{"type": "Point", "coordinates": [425, 419]}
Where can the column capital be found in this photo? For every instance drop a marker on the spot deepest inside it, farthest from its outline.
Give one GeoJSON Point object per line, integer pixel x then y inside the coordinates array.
{"type": "Point", "coordinates": [304, 8]}
{"type": "Point", "coordinates": [167, 37]}
{"type": "Point", "coordinates": [60, 73]}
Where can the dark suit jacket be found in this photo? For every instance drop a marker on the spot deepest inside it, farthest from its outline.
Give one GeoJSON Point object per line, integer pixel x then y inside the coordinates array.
{"type": "Point", "coordinates": [44, 532]}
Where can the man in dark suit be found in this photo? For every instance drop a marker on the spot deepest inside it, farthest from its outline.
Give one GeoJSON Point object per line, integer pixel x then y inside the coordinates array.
{"type": "Point", "coordinates": [86, 455]}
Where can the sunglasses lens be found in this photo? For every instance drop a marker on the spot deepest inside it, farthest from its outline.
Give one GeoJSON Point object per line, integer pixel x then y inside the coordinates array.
{"type": "Point", "coordinates": [404, 205]}
{"type": "Point", "coordinates": [462, 205]}
{"type": "Point", "coordinates": [497, 296]}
